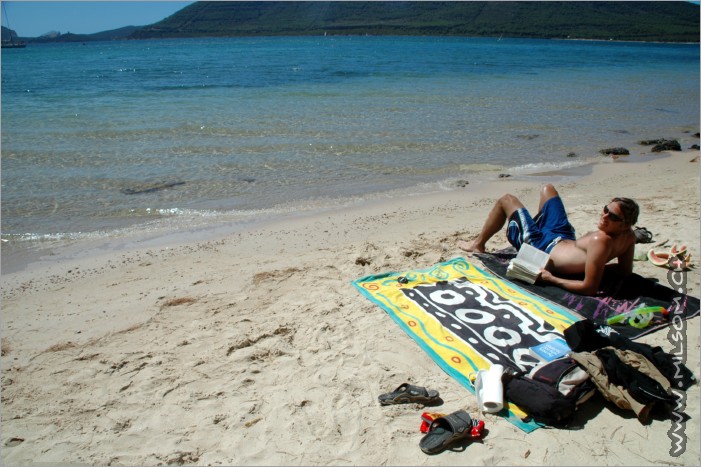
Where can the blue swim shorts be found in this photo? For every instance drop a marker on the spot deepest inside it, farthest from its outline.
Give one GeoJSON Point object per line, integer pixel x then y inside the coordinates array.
{"type": "Point", "coordinates": [548, 227]}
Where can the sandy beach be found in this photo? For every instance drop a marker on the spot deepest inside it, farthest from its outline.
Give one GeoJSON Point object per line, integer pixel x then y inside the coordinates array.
{"type": "Point", "coordinates": [255, 349]}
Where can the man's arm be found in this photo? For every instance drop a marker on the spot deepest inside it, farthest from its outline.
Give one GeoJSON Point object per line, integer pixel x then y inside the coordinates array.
{"type": "Point", "coordinates": [597, 253]}
{"type": "Point", "coordinates": [624, 268]}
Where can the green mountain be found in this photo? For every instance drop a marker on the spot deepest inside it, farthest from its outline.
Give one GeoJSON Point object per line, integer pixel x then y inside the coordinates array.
{"type": "Point", "coordinates": [618, 20]}
{"type": "Point", "coordinates": [111, 35]}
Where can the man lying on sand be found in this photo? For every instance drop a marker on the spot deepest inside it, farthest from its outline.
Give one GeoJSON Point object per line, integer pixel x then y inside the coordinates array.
{"type": "Point", "coordinates": [551, 232]}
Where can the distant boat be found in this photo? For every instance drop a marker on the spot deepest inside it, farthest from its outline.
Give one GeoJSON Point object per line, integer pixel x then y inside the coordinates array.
{"type": "Point", "coordinates": [11, 44]}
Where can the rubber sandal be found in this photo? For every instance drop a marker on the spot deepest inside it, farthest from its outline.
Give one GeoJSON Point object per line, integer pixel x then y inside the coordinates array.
{"type": "Point", "coordinates": [642, 235]}
{"type": "Point", "coordinates": [427, 418]}
{"type": "Point", "coordinates": [445, 431]}
{"type": "Point", "coordinates": [408, 393]}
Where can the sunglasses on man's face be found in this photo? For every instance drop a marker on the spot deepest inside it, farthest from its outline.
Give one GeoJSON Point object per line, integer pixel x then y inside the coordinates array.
{"type": "Point", "coordinates": [611, 215]}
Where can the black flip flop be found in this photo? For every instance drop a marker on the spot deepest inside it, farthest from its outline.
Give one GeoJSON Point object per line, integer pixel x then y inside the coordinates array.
{"type": "Point", "coordinates": [444, 431]}
{"type": "Point", "coordinates": [408, 393]}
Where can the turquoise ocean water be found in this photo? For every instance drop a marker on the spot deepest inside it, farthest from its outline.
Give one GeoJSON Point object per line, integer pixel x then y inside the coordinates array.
{"type": "Point", "coordinates": [248, 128]}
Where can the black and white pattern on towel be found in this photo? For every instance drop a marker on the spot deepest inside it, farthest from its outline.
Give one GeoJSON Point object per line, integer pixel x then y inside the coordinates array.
{"type": "Point", "coordinates": [498, 329]}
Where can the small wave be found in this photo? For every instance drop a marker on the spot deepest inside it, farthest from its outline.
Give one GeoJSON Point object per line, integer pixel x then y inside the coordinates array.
{"type": "Point", "coordinates": [163, 220]}
{"type": "Point", "coordinates": [51, 237]}
{"type": "Point", "coordinates": [478, 168]}
{"type": "Point", "coordinates": [169, 212]}
{"type": "Point", "coordinates": [539, 167]}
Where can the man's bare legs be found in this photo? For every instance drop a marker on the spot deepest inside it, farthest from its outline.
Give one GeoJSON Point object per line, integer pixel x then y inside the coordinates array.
{"type": "Point", "coordinates": [502, 210]}
{"type": "Point", "coordinates": [546, 192]}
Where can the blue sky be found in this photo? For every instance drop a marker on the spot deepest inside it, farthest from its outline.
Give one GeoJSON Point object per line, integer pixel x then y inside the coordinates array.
{"type": "Point", "coordinates": [32, 19]}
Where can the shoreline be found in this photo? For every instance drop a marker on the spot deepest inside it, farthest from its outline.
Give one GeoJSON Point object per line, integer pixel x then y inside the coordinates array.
{"type": "Point", "coordinates": [155, 233]}
{"type": "Point", "coordinates": [28, 255]}
{"type": "Point", "coordinates": [203, 352]}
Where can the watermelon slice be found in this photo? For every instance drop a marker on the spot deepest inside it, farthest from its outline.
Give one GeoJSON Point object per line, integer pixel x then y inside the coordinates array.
{"type": "Point", "coordinates": [663, 258]}
{"type": "Point", "coordinates": [681, 251]}
{"type": "Point", "coordinates": [658, 259]}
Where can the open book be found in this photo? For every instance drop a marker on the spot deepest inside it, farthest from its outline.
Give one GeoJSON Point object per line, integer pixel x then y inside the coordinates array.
{"type": "Point", "coordinates": [527, 264]}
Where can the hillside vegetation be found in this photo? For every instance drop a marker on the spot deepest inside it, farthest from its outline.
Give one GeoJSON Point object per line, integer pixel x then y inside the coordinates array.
{"type": "Point", "coordinates": [111, 35]}
{"type": "Point", "coordinates": [636, 21]}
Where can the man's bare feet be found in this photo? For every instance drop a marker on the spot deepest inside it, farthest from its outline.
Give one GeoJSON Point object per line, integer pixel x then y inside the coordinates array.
{"type": "Point", "coordinates": [470, 247]}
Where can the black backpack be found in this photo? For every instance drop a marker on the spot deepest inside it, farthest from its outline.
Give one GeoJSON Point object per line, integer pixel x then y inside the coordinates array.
{"type": "Point", "coordinates": [549, 394]}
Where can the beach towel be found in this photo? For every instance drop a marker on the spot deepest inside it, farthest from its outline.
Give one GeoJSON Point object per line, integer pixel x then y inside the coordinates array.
{"type": "Point", "coordinates": [467, 319]}
{"type": "Point", "coordinates": [615, 296]}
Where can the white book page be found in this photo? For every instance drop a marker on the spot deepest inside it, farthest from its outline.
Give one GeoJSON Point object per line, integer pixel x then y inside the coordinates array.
{"type": "Point", "coordinates": [531, 257]}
